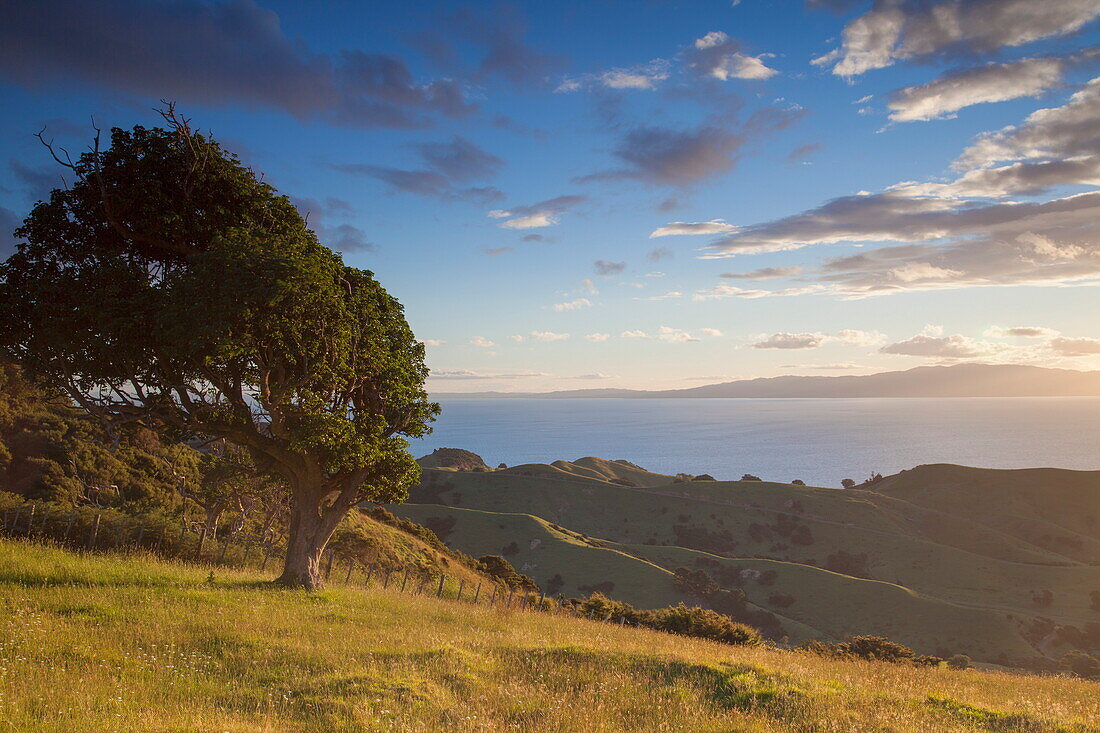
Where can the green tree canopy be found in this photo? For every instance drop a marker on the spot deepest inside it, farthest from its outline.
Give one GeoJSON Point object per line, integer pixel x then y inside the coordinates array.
{"type": "Point", "coordinates": [171, 287]}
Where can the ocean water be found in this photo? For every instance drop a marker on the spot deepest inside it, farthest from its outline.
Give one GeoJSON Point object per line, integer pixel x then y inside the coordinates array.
{"type": "Point", "coordinates": [820, 441]}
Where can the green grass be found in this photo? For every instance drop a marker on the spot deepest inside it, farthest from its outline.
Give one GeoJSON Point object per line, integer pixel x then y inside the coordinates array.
{"type": "Point", "coordinates": [954, 564]}
{"type": "Point", "coordinates": [125, 643]}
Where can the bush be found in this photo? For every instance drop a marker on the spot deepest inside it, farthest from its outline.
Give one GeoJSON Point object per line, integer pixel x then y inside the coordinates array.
{"type": "Point", "coordinates": [704, 477]}
{"type": "Point", "coordinates": [848, 483]}
{"type": "Point", "coordinates": [959, 661]}
{"type": "Point", "coordinates": [695, 582]}
{"type": "Point", "coordinates": [1082, 664]}
{"type": "Point", "coordinates": [750, 477]}
{"type": "Point", "coordinates": [497, 567]}
{"type": "Point", "coordinates": [877, 648]}
{"type": "Point", "coordinates": [694, 621]}
{"type": "Point", "coordinates": [798, 482]}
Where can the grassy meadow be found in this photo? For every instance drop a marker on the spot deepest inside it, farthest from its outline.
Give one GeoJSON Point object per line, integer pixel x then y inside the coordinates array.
{"type": "Point", "coordinates": [131, 642]}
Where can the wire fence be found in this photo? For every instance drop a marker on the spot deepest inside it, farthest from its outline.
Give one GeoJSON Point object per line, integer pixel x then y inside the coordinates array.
{"type": "Point", "coordinates": [104, 530]}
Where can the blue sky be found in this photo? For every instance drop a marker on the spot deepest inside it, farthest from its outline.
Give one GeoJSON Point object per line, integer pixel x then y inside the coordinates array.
{"type": "Point", "coordinates": [638, 194]}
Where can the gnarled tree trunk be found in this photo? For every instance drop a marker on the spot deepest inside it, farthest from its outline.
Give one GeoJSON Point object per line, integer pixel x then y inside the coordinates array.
{"type": "Point", "coordinates": [310, 530]}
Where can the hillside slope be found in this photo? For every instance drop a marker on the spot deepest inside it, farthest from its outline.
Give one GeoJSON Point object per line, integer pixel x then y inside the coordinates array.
{"type": "Point", "coordinates": [108, 643]}
{"type": "Point", "coordinates": [1001, 564]}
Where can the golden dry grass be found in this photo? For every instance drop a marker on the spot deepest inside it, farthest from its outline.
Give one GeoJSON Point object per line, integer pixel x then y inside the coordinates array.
{"type": "Point", "coordinates": [115, 643]}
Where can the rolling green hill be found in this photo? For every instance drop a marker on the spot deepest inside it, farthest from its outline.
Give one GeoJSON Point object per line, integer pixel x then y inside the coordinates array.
{"type": "Point", "coordinates": [1001, 565]}
{"type": "Point", "coordinates": [132, 643]}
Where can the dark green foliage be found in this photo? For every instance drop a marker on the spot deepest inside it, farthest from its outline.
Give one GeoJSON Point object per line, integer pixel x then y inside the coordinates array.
{"type": "Point", "coordinates": [877, 648]}
{"type": "Point", "coordinates": [699, 537]}
{"type": "Point", "coordinates": [959, 661]}
{"type": "Point", "coordinates": [848, 483]}
{"type": "Point", "coordinates": [1082, 664]}
{"type": "Point", "coordinates": [798, 482]}
{"type": "Point", "coordinates": [169, 287]}
{"type": "Point", "coordinates": [695, 582]}
{"type": "Point", "coordinates": [693, 621]}
{"type": "Point", "coordinates": [703, 477]}
{"type": "Point", "coordinates": [750, 477]}
{"type": "Point", "coordinates": [497, 567]}
{"type": "Point", "coordinates": [510, 549]}
{"type": "Point", "coordinates": [456, 458]}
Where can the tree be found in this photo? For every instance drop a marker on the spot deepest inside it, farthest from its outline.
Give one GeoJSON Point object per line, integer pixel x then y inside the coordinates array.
{"type": "Point", "coordinates": [848, 483]}
{"type": "Point", "coordinates": [750, 477]}
{"type": "Point", "coordinates": [959, 661]}
{"type": "Point", "coordinates": [170, 287]}
{"type": "Point", "coordinates": [1081, 664]}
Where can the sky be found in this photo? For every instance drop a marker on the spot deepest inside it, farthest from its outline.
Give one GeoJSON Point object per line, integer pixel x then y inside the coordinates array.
{"type": "Point", "coordinates": [643, 194]}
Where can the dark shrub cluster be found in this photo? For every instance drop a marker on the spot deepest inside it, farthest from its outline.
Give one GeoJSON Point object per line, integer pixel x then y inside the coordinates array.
{"type": "Point", "coordinates": [877, 648]}
{"type": "Point", "coordinates": [497, 567]}
{"type": "Point", "coordinates": [702, 623]}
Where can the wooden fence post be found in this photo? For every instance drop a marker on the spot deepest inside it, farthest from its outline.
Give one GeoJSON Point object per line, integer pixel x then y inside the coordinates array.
{"type": "Point", "coordinates": [477, 592]}
{"type": "Point", "coordinates": [386, 580]}
{"type": "Point", "coordinates": [405, 580]}
{"type": "Point", "coordinates": [351, 566]}
{"type": "Point", "coordinates": [442, 578]}
{"type": "Point", "coordinates": [461, 585]}
{"type": "Point", "coordinates": [370, 574]}
{"type": "Point", "coordinates": [493, 597]}
{"type": "Point", "coordinates": [94, 533]}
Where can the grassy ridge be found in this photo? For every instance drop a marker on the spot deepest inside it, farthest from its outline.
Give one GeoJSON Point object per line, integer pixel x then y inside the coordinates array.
{"type": "Point", "coordinates": [951, 561]}
{"type": "Point", "coordinates": [106, 643]}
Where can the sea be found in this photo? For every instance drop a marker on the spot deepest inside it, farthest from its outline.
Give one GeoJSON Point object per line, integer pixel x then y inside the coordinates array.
{"type": "Point", "coordinates": [821, 441]}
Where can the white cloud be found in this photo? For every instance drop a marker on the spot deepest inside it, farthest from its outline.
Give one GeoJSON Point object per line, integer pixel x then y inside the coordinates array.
{"type": "Point", "coordinates": [573, 305]}
{"type": "Point", "coordinates": [482, 342]}
{"type": "Point", "coordinates": [432, 342]}
{"type": "Point", "coordinates": [791, 341]}
{"type": "Point", "coordinates": [670, 295]}
{"type": "Point", "coordinates": [931, 342]}
{"type": "Point", "coordinates": [645, 76]}
{"type": "Point", "coordinates": [891, 31]}
{"type": "Point", "coordinates": [674, 335]}
{"type": "Point", "coordinates": [518, 338]}
{"type": "Point", "coordinates": [722, 291]}
{"type": "Point", "coordinates": [1075, 346]}
{"type": "Point", "coordinates": [635, 334]}
{"type": "Point", "coordinates": [471, 374]}
{"type": "Point", "coordinates": [712, 332]}
{"type": "Point", "coordinates": [855, 337]}
{"type": "Point", "coordinates": [542, 214]}
{"type": "Point", "coordinates": [596, 375]}
{"type": "Point", "coordinates": [945, 96]}
{"type": "Point", "coordinates": [598, 337]}
{"type": "Point", "coordinates": [548, 336]}
{"type": "Point", "coordinates": [655, 274]}
{"type": "Point", "coordinates": [714, 226]}
{"type": "Point", "coordinates": [589, 287]}
{"type": "Point", "coordinates": [718, 56]}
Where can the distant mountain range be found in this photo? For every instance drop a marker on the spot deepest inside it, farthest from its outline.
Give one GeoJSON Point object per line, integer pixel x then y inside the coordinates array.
{"type": "Point", "coordinates": [959, 380]}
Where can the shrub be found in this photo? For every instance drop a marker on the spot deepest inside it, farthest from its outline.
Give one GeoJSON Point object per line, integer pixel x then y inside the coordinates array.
{"type": "Point", "coordinates": [1082, 664]}
{"type": "Point", "coordinates": [704, 624]}
{"type": "Point", "coordinates": [959, 661]}
{"type": "Point", "coordinates": [497, 567]}
{"type": "Point", "coordinates": [750, 477]}
{"type": "Point", "coordinates": [848, 483]}
{"type": "Point", "coordinates": [875, 647]}
{"type": "Point", "coordinates": [798, 482]}
{"type": "Point", "coordinates": [704, 477]}
{"type": "Point", "coordinates": [695, 582]}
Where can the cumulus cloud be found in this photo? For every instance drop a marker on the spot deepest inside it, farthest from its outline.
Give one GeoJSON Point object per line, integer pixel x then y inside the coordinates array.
{"type": "Point", "coordinates": [635, 334]}
{"type": "Point", "coordinates": [573, 305]}
{"type": "Point", "coordinates": [447, 165]}
{"type": "Point", "coordinates": [855, 337]}
{"type": "Point", "coordinates": [764, 273]}
{"type": "Point", "coordinates": [712, 332]}
{"type": "Point", "coordinates": [714, 226]}
{"type": "Point", "coordinates": [1075, 346]}
{"type": "Point", "coordinates": [482, 342]}
{"type": "Point", "coordinates": [606, 268]}
{"type": "Point", "coordinates": [548, 336]}
{"type": "Point", "coordinates": [791, 341]}
{"type": "Point", "coordinates": [945, 96]}
{"type": "Point", "coordinates": [932, 342]}
{"type": "Point", "coordinates": [597, 337]}
{"type": "Point", "coordinates": [233, 52]}
{"type": "Point", "coordinates": [644, 76]}
{"type": "Point", "coordinates": [674, 335]}
{"type": "Point", "coordinates": [543, 214]}
{"type": "Point", "coordinates": [718, 56]}
{"type": "Point", "coordinates": [908, 29]}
